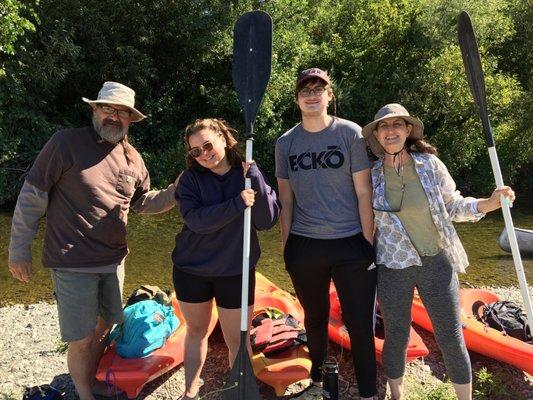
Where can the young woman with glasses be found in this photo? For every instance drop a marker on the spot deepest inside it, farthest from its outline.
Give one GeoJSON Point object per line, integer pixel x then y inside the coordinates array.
{"type": "Point", "coordinates": [208, 253]}
{"type": "Point", "coordinates": [323, 175]}
{"type": "Point", "coordinates": [415, 202]}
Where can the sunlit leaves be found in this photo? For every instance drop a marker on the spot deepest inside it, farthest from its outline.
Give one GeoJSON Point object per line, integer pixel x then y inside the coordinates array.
{"type": "Point", "coordinates": [176, 54]}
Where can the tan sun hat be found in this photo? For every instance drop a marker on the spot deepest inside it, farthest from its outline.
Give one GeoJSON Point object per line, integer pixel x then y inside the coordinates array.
{"type": "Point", "coordinates": [117, 93]}
{"type": "Point", "coordinates": [390, 111]}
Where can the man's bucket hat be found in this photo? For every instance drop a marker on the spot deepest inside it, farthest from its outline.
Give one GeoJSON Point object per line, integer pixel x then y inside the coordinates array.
{"type": "Point", "coordinates": [117, 93]}
{"type": "Point", "coordinates": [390, 111]}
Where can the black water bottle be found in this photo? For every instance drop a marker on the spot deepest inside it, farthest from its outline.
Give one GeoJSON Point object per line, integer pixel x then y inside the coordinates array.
{"type": "Point", "coordinates": [330, 380]}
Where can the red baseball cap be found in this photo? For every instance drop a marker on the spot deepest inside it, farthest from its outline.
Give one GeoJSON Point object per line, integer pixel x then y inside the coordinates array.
{"type": "Point", "coordinates": [312, 73]}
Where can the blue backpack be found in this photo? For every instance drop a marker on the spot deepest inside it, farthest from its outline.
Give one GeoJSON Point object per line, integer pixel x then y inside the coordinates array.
{"type": "Point", "coordinates": [147, 325]}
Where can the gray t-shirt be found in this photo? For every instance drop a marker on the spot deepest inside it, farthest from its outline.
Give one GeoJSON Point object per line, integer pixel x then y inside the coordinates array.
{"type": "Point", "coordinates": [319, 167]}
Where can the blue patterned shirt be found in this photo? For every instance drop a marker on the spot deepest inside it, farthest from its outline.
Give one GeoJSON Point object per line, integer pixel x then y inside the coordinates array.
{"type": "Point", "coordinates": [393, 246]}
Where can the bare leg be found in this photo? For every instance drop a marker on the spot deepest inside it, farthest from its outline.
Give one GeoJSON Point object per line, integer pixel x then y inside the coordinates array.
{"type": "Point", "coordinates": [80, 365]}
{"type": "Point", "coordinates": [230, 322]}
{"type": "Point", "coordinates": [396, 388]}
{"type": "Point", "coordinates": [463, 390]}
{"type": "Point", "coordinates": [83, 357]}
{"type": "Point", "coordinates": [98, 347]}
{"type": "Point", "coordinates": [197, 317]}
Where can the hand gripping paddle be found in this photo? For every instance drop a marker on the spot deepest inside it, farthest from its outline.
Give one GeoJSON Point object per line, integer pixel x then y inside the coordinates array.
{"type": "Point", "coordinates": [252, 61]}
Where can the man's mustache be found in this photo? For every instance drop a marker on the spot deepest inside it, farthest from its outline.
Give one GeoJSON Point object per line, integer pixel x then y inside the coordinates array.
{"type": "Point", "coordinates": [112, 123]}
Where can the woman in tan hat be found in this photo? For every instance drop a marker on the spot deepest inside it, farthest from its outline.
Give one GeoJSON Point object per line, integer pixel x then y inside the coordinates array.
{"type": "Point", "coordinates": [415, 202]}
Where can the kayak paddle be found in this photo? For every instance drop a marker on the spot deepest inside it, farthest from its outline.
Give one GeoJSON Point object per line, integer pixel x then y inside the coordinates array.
{"type": "Point", "coordinates": [252, 61]}
{"type": "Point", "coordinates": [474, 74]}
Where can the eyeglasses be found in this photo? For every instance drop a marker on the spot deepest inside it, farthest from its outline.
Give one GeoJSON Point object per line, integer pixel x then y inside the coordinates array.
{"type": "Point", "coordinates": [112, 110]}
{"type": "Point", "coordinates": [196, 152]}
{"type": "Point", "coordinates": [307, 92]}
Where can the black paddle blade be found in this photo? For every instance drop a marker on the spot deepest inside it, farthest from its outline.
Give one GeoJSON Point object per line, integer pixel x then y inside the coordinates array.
{"type": "Point", "coordinates": [252, 61]}
{"type": "Point", "coordinates": [474, 71]}
{"type": "Point", "coordinates": [241, 384]}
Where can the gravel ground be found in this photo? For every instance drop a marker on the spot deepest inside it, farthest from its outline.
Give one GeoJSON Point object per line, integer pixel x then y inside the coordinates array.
{"type": "Point", "coordinates": [29, 356]}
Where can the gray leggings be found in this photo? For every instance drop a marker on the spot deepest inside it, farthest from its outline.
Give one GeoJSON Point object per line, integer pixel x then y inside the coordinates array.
{"type": "Point", "coordinates": [439, 290]}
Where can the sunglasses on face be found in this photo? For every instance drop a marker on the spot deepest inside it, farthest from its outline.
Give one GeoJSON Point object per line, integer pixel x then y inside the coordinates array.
{"type": "Point", "coordinates": [196, 152]}
{"type": "Point", "coordinates": [112, 110]}
{"type": "Point", "coordinates": [307, 92]}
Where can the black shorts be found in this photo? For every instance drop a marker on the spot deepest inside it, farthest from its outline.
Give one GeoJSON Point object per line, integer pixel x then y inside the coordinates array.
{"type": "Point", "coordinates": [226, 290]}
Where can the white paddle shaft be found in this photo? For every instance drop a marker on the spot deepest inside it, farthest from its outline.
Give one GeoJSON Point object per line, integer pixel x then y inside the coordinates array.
{"type": "Point", "coordinates": [524, 290]}
{"type": "Point", "coordinates": [246, 246]}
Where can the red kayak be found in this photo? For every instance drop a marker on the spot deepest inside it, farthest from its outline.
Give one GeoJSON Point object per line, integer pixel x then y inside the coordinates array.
{"type": "Point", "coordinates": [338, 333]}
{"type": "Point", "coordinates": [478, 337]}
{"type": "Point", "coordinates": [291, 366]}
{"type": "Point", "coordinates": [131, 374]}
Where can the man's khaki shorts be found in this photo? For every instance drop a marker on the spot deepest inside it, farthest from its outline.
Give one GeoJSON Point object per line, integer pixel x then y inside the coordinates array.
{"type": "Point", "coordinates": [82, 297]}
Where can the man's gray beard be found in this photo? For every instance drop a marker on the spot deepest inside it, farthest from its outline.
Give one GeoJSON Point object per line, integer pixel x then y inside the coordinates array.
{"type": "Point", "coordinates": [110, 133]}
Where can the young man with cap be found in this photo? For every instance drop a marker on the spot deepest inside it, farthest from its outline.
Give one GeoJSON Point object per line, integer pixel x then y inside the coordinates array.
{"type": "Point", "coordinates": [86, 180]}
{"type": "Point", "coordinates": [323, 175]}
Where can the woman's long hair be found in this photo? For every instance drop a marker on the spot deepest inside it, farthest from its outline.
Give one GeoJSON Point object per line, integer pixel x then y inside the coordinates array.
{"type": "Point", "coordinates": [420, 146]}
{"type": "Point", "coordinates": [221, 127]}
{"type": "Point", "coordinates": [128, 149]}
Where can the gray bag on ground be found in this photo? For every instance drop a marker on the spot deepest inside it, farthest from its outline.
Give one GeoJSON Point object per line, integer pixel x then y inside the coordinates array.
{"type": "Point", "coordinates": [150, 292]}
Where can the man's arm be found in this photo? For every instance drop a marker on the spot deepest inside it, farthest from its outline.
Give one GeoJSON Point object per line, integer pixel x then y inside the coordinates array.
{"type": "Point", "coordinates": [157, 201]}
{"type": "Point", "coordinates": [31, 206]}
{"type": "Point", "coordinates": [286, 198]}
{"type": "Point", "coordinates": [363, 190]}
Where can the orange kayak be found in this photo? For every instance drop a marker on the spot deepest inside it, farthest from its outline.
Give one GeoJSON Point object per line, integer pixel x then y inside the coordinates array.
{"type": "Point", "coordinates": [131, 374]}
{"type": "Point", "coordinates": [291, 366]}
{"type": "Point", "coordinates": [338, 333]}
{"type": "Point", "coordinates": [478, 337]}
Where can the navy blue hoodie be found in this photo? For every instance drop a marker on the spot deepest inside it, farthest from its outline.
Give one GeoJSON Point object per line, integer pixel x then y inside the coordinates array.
{"type": "Point", "coordinates": [210, 243]}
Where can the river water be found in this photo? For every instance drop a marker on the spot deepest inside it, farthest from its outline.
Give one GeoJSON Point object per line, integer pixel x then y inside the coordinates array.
{"type": "Point", "coordinates": [151, 240]}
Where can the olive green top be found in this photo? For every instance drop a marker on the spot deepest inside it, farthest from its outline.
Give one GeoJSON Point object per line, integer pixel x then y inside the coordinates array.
{"type": "Point", "coordinates": [414, 212]}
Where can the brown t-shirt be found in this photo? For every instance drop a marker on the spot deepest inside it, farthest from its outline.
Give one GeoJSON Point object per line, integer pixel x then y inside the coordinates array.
{"type": "Point", "coordinates": [90, 187]}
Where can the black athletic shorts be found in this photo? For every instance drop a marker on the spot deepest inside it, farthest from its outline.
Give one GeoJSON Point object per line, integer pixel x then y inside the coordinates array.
{"type": "Point", "coordinates": [226, 290]}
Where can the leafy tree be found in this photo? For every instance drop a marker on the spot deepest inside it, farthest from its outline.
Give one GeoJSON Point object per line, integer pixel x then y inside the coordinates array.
{"type": "Point", "coordinates": [448, 107]}
{"type": "Point", "coordinates": [15, 20]}
{"type": "Point", "coordinates": [177, 54]}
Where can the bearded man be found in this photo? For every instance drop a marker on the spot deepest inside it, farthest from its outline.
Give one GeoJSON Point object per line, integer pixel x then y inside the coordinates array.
{"type": "Point", "coordinates": [86, 180]}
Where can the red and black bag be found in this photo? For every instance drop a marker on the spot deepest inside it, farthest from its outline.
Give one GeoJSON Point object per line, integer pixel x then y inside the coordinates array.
{"type": "Point", "coordinates": [274, 332]}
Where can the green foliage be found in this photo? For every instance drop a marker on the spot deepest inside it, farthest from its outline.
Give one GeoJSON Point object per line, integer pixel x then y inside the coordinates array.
{"type": "Point", "coordinates": [485, 387]}
{"type": "Point", "coordinates": [61, 347]}
{"type": "Point", "coordinates": [440, 392]}
{"type": "Point", "coordinates": [514, 52]}
{"type": "Point", "coordinates": [492, 386]}
{"type": "Point", "coordinates": [419, 388]}
{"type": "Point", "coordinates": [176, 54]}
{"type": "Point", "coordinates": [15, 20]}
